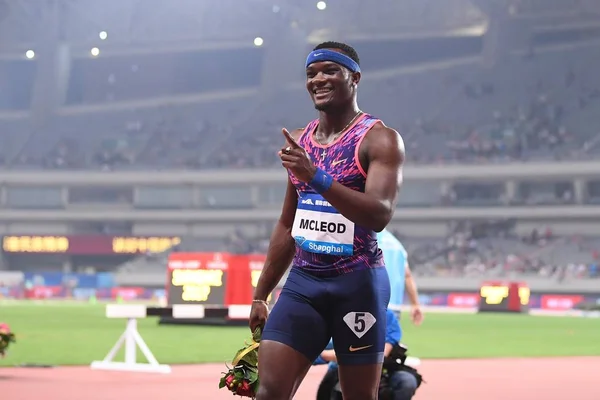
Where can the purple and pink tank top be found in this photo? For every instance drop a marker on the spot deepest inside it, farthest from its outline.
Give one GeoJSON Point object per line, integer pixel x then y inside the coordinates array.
{"type": "Point", "coordinates": [327, 243]}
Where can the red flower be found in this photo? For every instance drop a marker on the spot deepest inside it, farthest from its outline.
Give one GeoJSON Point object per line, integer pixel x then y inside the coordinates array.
{"type": "Point", "coordinates": [244, 389]}
{"type": "Point", "coordinates": [242, 377]}
{"type": "Point", "coordinates": [237, 383]}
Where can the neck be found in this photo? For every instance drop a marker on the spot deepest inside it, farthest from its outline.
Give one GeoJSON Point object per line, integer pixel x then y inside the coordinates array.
{"type": "Point", "coordinates": [333, 121]}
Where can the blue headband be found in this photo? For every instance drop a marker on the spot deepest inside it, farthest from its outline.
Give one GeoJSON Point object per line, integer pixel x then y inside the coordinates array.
{"type": "Point", "coordinates": [334, 56]}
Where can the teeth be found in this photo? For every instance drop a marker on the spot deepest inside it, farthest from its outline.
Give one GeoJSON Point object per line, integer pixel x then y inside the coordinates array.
{"type": "Point", "coordinates": [320, 91]}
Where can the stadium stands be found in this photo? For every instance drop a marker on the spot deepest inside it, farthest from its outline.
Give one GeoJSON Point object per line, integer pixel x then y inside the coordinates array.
{"type": "Point", "coordinates": [204, 108]}
{"type": "Point", "coordinates": [539, 107]}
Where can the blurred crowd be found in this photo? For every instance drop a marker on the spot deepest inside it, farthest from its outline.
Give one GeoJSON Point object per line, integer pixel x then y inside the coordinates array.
{"type": "Point", "coordinates": [522, 110]}
{"type": "Point", "coordinates": [477, 249]}
{"type": "Point", "coordinates": [543, 106]}
{"type": "Point", "coordinates": [493, 249]}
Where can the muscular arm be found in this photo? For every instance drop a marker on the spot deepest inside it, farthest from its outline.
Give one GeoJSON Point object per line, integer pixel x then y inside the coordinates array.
{"type": "Point", "coordinates": [282, 246]}
{"type": "Point", "coordinates": [375, 207]}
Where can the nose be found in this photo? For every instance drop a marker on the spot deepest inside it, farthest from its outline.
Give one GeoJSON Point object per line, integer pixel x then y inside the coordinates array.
{"type": "Point", "coordinates": [319, 79]}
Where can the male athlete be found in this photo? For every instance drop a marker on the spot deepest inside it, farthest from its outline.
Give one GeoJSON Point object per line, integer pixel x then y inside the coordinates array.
{"type": "Point", "coordinates": [344, 172]}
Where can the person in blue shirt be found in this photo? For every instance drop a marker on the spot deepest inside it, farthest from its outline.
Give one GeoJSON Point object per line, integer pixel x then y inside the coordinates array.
{"type": "Point", "coordinates": [403, 384]}
{"type": "Point", "coordinates": [401, 278]}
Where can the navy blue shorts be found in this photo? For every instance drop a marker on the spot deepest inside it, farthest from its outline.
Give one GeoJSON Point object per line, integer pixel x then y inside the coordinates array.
{"type": "Point", "coordinates": [350, 308]}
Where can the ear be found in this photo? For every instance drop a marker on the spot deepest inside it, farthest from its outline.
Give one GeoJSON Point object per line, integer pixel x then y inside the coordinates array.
{"type": "Point", "coordinates": [356, 78]}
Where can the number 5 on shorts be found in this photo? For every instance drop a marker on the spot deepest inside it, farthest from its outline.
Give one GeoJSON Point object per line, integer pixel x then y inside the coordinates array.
{"type": "Point", "coordinates": [359, 322]}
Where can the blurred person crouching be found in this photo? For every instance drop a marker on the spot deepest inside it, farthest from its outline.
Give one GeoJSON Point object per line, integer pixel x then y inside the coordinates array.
{"type": "Point", "coordinates": [399, 381]}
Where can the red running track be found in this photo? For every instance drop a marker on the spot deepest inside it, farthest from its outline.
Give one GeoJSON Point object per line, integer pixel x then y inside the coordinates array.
{"type": "Point", "coordinates": [490, 379]}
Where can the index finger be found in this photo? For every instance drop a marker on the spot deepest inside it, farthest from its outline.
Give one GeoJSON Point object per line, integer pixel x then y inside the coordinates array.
{"type": "Point", "coordinates": [290, 139]}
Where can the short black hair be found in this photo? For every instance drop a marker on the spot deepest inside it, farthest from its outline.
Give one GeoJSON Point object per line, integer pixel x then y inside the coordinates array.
{"type": "Point", "coordinates": [345, 48]}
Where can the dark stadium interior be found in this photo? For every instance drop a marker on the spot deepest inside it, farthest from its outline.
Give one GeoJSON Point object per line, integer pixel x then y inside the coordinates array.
{"type": "Point", "coordinates": [144, 163]}
{"type": "Point", "coordinates": [117, 123]}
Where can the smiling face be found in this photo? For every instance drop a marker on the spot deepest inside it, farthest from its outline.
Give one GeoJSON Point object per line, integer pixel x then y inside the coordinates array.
{"type": "Point", "coordinates": [330, 85]}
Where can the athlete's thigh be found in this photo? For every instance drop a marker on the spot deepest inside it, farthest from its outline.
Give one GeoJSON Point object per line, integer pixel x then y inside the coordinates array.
{"type": "Point", "coordinates": [358, 330]}
{"type": "Point", "coordinates": [359, 316]}
{"type": "Point", "coordinates": [295, 334]}
{"type": "Point", "coordinates": [281, 370]}
{"type": "Point", "coordinates": [299, 319]}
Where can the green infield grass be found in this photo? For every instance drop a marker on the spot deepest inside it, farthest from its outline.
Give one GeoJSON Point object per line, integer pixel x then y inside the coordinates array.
{"type": "Point", "coordinates": [77, 334]}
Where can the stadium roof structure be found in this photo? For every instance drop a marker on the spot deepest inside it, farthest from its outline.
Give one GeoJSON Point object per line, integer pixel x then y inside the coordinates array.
{"type": "Point", "coordinates": [149, 23]}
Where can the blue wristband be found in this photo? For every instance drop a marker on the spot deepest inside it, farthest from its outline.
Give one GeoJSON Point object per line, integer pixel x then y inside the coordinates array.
{"type": "Point", "coordinates": [321, 182]}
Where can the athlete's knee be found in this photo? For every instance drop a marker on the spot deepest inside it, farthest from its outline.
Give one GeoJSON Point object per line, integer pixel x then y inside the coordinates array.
{"type": "Point", "coordinates": [277, 383]}
{"type": "Point", "coordinates": [365, 394]}
{"type": "Point", "coordinates": [360, 382]}
{"type": "Point", "coordinates": [273, 392]}
{"type": "Point", "coordinates": [274, 386]}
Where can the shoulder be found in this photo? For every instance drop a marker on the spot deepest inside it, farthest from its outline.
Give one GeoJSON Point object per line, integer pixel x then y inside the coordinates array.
{"type": "Point", "coordinates": [384, 142]}
{"type": "Point", "coordinates": [383, 134]}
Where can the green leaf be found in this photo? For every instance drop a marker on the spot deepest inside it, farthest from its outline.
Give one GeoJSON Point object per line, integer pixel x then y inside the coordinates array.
{"type": "Point", "coordinates": [249, 364]}
{"type": "Point", "coordinates": [222, 382]}
{"type": "Point", "coordinates": [256, 335]}
{"type": "Point", "coordinates": [251, 376]}
{"type": "Point", "coordinates": [252, 369]}
{"type": "Point", "coordinates": [239, 374]}
{"type": "Point", "coordinates": [251, 358]}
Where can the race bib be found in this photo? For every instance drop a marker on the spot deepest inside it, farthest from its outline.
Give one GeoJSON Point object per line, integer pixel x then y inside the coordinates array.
{"type": "Point", "coordinates": [320, 228]}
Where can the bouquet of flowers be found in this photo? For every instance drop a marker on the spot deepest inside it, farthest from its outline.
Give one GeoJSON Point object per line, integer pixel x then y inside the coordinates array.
{"type": "Point", "coordinates": [242, 378]}
{"type": "Point", "coordinates": [6, 338]}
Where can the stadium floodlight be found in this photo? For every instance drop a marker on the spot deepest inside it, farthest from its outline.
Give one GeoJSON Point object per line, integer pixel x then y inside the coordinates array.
{"type": "Point", "coordinates": [321, 5]}
{"type": "Point", "coordinates": [103, 35]}
{"type": "Point", "coordinates": [30, 54]}
{"type": "Point", "coordinates": [258, 41]}
{"type": "Point", "coordinates": [95, 51]}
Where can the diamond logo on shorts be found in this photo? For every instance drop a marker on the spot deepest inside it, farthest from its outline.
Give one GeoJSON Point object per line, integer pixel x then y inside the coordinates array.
{"type": "Point", "coordinates": [359, 322]}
